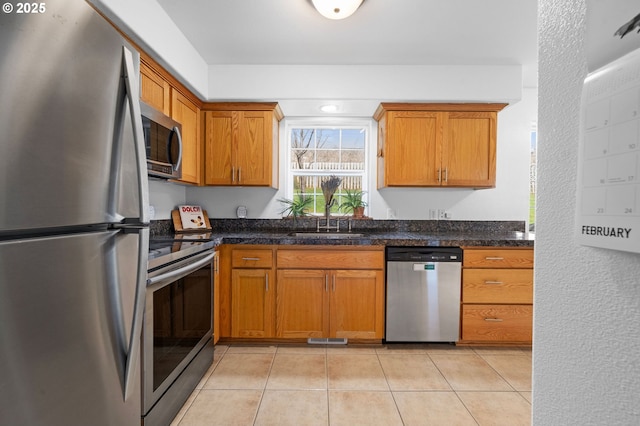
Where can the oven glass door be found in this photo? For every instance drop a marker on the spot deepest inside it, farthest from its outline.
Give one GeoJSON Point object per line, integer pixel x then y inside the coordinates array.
{"type": "Point", "coordinates": [178, 323]}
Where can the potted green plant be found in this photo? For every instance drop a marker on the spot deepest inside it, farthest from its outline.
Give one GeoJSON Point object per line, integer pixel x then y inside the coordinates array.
{"type": "Point", "coordinates": [352, 201]}
{"type": "Point", "coordinates": [295, 208]}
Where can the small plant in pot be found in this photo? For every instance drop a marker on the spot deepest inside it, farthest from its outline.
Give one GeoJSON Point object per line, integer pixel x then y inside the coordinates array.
{"type": "Point", "coordinates": [295, 208]}
{"type": "Point", "coordinates": [352, 201]}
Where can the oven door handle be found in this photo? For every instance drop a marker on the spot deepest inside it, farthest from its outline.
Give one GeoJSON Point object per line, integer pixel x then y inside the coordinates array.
{"type": "Point", "coordinates": [181, 272]}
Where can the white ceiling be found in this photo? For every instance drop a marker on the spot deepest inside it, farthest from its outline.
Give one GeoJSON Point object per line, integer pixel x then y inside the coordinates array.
{"type": "Point", "coordinates": [381, 32]}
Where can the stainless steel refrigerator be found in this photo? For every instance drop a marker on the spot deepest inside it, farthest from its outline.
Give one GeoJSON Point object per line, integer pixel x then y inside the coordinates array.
{"type": "Point", "coordinates": [73, 219]}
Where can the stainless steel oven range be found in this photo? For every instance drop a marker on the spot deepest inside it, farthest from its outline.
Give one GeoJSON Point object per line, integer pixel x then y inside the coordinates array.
{"type": "Point", "coordinates": [177, 346]}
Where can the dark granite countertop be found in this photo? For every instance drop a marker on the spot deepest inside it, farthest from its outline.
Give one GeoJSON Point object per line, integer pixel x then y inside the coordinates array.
{"type": "Point", "coordinates": [371, 233]}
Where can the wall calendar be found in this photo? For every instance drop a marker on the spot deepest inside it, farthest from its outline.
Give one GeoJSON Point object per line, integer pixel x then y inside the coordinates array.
{"type": "Point", "coordinates": [609, 165]}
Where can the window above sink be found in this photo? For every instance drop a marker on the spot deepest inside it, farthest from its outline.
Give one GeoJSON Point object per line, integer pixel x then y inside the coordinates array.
{"type": "Point", "coordinates": [318, 149]}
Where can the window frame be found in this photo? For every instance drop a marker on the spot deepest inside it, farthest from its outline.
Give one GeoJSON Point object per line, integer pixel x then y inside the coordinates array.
{"type": "Point", "coordinates": [327, 123]}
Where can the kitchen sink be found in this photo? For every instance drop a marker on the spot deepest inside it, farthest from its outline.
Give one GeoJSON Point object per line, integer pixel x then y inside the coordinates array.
{"type": "Point", "coordinates": [327, 235]}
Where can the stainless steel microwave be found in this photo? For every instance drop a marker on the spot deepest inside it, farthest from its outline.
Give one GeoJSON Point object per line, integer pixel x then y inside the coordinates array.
{"type": "Point", "coordinates": [163, 143]}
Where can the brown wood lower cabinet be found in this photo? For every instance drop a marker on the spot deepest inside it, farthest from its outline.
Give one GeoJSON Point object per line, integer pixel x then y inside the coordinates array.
{"type": "Point", "coordinates": [497, 295]}
{"type": "Point", "coordinates": [298, 292]}
{"type": "Point", "coordinates": [497, 323]}
{"type": "Point", "coordinates": [343, 299]}
{"type": "Point", "coordinates": [330, 303]}
{"type": "Point", "coordinates": [252, 293]}
{"type": "Point", "coordinates": [302, 303]}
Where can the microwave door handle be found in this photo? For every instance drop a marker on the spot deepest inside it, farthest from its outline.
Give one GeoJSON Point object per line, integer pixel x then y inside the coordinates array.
{"type": "Point", "coordinates": [131, 82]}
{"type": "Point", "coordinates": [175, 164]}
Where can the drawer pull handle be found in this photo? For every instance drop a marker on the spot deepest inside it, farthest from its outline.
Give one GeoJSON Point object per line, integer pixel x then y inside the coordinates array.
{"type": "Point", "coordinates": [493, 282]}
{"type": "Point", "coordinates": [493, 319]}
{"type": "Point", "coordinates": [251, 258]}
{"type": "Point", "coordinates": [493, 258]}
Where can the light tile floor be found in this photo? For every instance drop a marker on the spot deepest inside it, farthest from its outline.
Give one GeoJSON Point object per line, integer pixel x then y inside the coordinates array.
{"type": "Point", "coordinates": [421, 384]}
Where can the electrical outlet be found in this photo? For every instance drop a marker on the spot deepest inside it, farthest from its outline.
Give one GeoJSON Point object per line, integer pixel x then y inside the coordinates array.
{"type": "Point", "coordinates": [442, 214]}
{"type": "Point", "coordinates": [152, 212]}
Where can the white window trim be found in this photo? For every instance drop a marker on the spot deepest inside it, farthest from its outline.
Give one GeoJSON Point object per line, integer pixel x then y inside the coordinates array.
{"type": "Point", "coordinates": [327, 123]}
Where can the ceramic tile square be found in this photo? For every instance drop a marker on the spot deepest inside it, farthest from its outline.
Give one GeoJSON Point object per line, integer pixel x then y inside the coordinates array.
{"type": "Point", "coordinates": [352, 408]}
{"type": "Point", "coordinates": [398, 348]}
{"type": "Point", "coordinates": [515, 369]}
{"type": "Point", "coordinates": [491, 350]}
{"type": "Point", "coordinates": [302, 349]}
{"type": "Point", "coordinates": [282, 408]}
{"type": "Point", "coordinates": [223, 407]}
{"type": "Point", "coordinates": [497, 408]}
{"type": "Point", "coordinates": [432, 408]}
{"type": "Point", "coordinates": [355, 371]}
{"type": "Point", "coordinates": [446, 348]}
{"type": "Point", "coordinates": [412, 372]}
{"type": "Point", "coordinates": [252, 349]}
{"type": "Point", "coordinates": [240, 371]}
{"type": "Point", "coordinates": [355, 349]}
{"type": "Point", "coordinates": [469, 372]}
{"type": "Point", "coordinates": [298, 371]}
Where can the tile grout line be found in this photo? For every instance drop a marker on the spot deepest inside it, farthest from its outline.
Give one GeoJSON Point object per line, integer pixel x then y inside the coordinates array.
{"type": "Point", "coordinates": [264, 388]}
{"type": "Point", "coordinates": [326, 377]}
{"type": "Point", "coordinates": [196, 392]}
{"type": "Point", "coordinates": [452, 389]}
{"type": "Point", "coordinates": [386, 379]}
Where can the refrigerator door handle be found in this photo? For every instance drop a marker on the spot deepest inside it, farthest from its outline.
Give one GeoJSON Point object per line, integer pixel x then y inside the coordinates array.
{"type": "Point", "coordinates": [133, 351]}
{"type": "Point", "coordinates": [131, 82]}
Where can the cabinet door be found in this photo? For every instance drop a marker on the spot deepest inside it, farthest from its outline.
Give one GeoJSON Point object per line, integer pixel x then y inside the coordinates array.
{"type": "Point", "coordinates": [357, 304]}
{"type": "Point", "coordinates": [413, 148]}
{"type": "Point", "coordinates": [188, 114]}
{"type": "Point", "coordinates": [253, 148]}
{"type": "Point", "coordinates": [302, 303]}
{"type": "Point", "coordinates": [218, 143]}
{"type": "Point", "coordinates": [154, 90]}
{"type": "Point", "coordinates": [469, 149]}
{"type": "Point", "coordinates": [251, 303]}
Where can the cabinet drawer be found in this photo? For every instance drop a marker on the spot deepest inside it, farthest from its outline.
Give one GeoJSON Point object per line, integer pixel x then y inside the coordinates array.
{"type": "Point", "coordinates": [330, 259]}
{"type": "Point", "coordinates": [251, 258]}
{"type": "Point", "coordinates": [497, 286]}
{"type": "Point", "coordinates": [497, 258]}
{"type": "Point", "coordinates": [497, 323]}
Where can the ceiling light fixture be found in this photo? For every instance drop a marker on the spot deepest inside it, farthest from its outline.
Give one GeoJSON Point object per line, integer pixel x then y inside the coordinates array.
{"type": "Point", "coordinates": [336, 9]}
{"type": "Point", "coordinates": [329, 108]}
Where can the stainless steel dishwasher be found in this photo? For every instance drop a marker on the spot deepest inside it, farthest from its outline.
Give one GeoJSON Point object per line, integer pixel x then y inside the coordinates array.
{"type": "Point", "coordinates": [423, 294]}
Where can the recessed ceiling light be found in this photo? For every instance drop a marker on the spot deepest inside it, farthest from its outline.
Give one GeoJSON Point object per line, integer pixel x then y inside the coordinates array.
{"type": "Point", "coordinates": [329, 108]}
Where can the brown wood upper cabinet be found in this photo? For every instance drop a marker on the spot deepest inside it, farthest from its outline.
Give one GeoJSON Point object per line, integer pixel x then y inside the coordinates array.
{"type": "Point", "coordinates": [241, 144]}
{"type": "Point", "coordinates": [437, 144]}
{"type": "Point", "coordinates": [161, 91]}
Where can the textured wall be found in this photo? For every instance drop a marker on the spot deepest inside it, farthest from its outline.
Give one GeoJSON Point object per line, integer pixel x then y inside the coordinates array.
{"type": "Point", "coordinates": [587, 301]}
